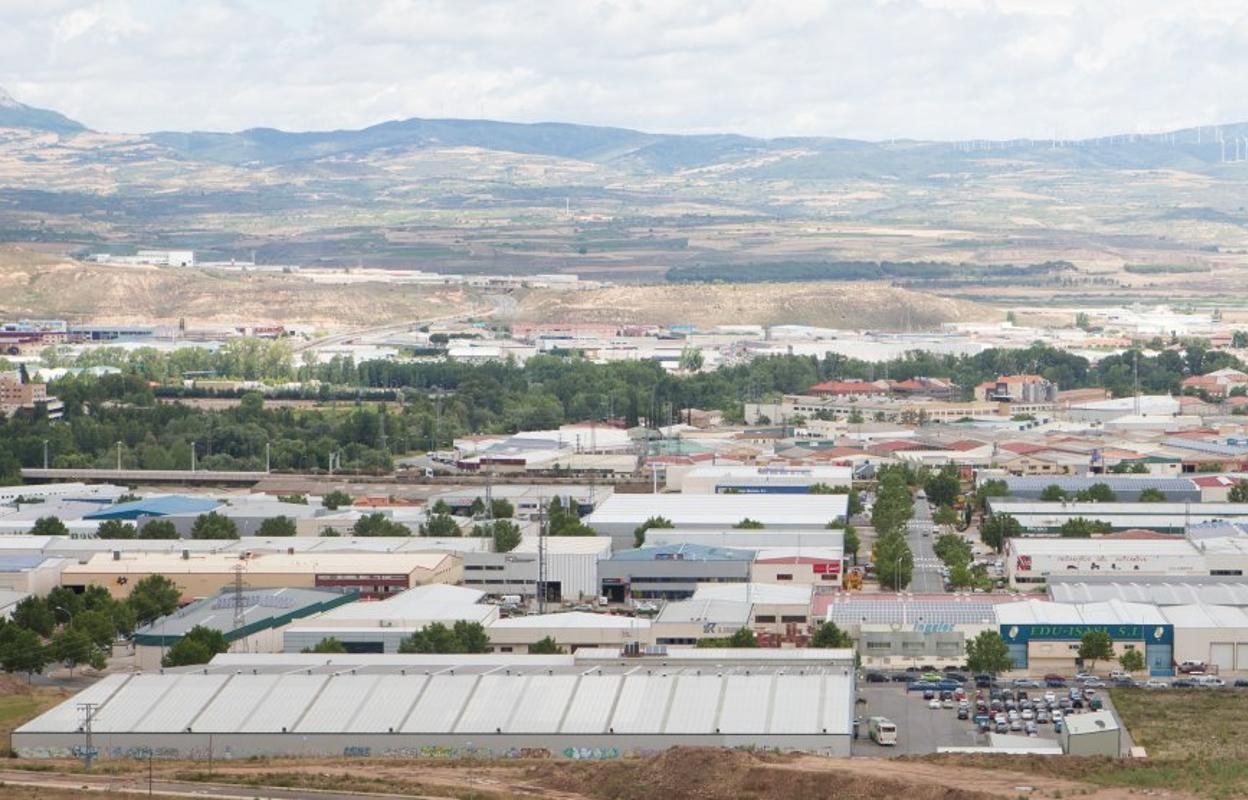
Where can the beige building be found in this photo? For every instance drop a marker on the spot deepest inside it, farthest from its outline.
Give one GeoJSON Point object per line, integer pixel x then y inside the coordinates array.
{"type": "Point", "coordinates": [571, 630]}
{"type": "Point", "coordinates": [373, 575]}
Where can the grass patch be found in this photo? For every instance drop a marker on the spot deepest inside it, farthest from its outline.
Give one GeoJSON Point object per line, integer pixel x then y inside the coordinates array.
{"type": "Point", "coordinates": [1185, 723]}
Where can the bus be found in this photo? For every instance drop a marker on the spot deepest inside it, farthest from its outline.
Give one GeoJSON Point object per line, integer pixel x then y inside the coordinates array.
{"type": "Point", "coordinates": [882, 731]}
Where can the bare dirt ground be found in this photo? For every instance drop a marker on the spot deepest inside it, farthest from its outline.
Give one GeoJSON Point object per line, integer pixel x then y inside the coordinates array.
{"type": "Point", "coordinates": [677, 774]}
{"type": "Point", "coordinates": [835, 305]}
{"type": "Point", "coordinates": [36, 284]}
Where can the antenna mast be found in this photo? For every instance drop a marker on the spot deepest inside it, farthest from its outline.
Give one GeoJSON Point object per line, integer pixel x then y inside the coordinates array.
{"type": "Point", "coordinates": [239, 607]}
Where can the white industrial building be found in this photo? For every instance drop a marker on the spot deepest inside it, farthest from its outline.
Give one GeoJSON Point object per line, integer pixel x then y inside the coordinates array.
{"type": "Point", "coordinates": [571, 568]}
{"type": "Point", "coordinates": [721, 479]}
{"type": "Point", "coordinates": [1163, 517]}
{"type": "Point", "coordinates": [738, 539]}
{"type": "Point", "coordinates": [470, 707]}
{"type": "Point", "coordinates": [1032, 560]}
{"type": "Point", "coordinates": [621, 514]}
{"type": "Point", "coordinates": [379, 627]}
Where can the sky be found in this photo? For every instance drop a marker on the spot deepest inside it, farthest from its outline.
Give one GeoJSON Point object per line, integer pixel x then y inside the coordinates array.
{"type": "Point", "coordinates": [871, 69]}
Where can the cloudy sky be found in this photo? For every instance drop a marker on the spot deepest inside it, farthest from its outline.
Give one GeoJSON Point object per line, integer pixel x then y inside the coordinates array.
{"type": "Point", "coordinates": [857, 68]}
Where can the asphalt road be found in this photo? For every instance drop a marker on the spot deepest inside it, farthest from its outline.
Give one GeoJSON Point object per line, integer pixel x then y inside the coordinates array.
{"type": "Point", "coordinates": [926, 578]}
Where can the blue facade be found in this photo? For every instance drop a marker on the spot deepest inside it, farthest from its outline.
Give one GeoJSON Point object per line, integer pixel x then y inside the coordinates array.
{"type": "Point", "coordinates": [1158, 641]}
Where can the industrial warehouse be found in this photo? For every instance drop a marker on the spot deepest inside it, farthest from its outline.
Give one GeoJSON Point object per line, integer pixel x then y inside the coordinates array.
{"type": "Point", "coordinates": [456, 705]}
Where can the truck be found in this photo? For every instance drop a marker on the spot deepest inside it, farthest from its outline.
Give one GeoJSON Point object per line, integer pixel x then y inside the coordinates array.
{"type": "Point", "coordinates": [882, 731]}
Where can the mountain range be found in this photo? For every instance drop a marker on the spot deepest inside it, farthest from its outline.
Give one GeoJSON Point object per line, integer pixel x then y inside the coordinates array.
{"type": "Point", "coordinates": [809, 157]}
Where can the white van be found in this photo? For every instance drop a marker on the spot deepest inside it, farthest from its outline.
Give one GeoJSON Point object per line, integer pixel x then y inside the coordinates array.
{"type": "Point", "coordinates": [1208, 681]}
{"type": "Point", "coordinates": [882, 731]}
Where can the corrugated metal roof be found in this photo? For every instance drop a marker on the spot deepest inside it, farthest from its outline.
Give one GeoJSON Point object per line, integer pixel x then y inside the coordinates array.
{"type": "Point", "coordinates": [480, 700]}
{"type": "Point", "coordinates": [157, 507]}
{"type": "Point", "coordinates": [723, 510]}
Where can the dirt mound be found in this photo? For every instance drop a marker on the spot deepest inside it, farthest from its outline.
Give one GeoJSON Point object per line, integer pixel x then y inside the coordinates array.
{"type": "Point", "coordinates": [833, 305]}
{"type": "Point", "coordinates": [688, 773]}
{"type": "Point", "coordinates": [42, 286]}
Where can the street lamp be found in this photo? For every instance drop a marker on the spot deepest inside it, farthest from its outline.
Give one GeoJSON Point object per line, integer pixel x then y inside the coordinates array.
{"type": "Point", "coordinates": [45, 453]}
{"type": "Point", "coordinates": [119, 456]}
{"type": "Point", "coordinates": [192, 456]}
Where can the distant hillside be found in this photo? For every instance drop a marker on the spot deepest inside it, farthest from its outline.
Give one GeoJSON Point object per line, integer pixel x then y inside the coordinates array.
{"type": "Point", "coordinates": [19, 115]}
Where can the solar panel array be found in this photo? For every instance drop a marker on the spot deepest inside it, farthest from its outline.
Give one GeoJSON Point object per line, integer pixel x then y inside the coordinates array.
{"type": "Point", "coordinates": [862, 610]}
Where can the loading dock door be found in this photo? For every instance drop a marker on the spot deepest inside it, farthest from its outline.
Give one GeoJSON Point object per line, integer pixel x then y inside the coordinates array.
{"type": "Point", "coordinates": [1242, 655]}
{"type": "Point", "coordinates": [1222, 655]}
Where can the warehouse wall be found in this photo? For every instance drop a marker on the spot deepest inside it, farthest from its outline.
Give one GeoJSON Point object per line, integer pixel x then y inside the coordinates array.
{"type": "Point", "coordinates": [199, 746]}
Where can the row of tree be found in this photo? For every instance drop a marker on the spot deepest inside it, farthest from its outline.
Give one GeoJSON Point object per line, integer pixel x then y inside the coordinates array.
{"type": "Point", "coordinates": [893, 508]}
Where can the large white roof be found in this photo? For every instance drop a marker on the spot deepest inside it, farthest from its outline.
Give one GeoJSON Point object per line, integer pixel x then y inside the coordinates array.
{"type": "Point", "coordinates": [473, 700]}
{"type": "Point", "coordinates": [757, 593]}
{"type": "Point", "coordinates": [1110, 612]}
{"type": "Point", "coordinates": [721, 510]}
{"type": "Point", "coordinates": [584, 620]}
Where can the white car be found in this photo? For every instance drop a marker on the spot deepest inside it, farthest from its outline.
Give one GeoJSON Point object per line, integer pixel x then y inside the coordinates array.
{"type": "Point", "coordinates": [1028, 714]}
{"type": "Point", "coordinates": [1049, 697]}
{"type": "Point", "coordinates": [933, 703]}
{"type": "Point", "coordinates": [1154, 683]}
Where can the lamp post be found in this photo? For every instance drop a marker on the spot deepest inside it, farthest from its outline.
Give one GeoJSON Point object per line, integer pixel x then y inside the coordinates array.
{"type": "Point", "coordinates": [45, 453]}
{"type": "Point", "coordinates": [119, 456]}
{"type": "Point", "coordinates": [192, 456]}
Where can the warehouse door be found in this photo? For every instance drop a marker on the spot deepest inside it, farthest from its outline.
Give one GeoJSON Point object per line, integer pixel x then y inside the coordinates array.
{"type": "Point", "coordinates": [1241, 656]}
{"type": "Point", "coordinates": [1222, 656]}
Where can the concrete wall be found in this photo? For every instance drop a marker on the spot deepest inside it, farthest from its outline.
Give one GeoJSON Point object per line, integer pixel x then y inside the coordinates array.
{"type": "Point", "coordinates": [227, 746]}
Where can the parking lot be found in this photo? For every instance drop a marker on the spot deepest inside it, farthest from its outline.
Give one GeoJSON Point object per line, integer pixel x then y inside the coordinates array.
{"type": "Point", "coordinates": [922, 729]}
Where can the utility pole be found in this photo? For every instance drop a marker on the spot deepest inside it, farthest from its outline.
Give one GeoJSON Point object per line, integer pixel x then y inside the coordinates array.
{"type": "Point", "coordinates": [192, 456]}
{"type": "Point", "coordinates": [45, 453]}
{"type": "Point", "coordinates": [267, 459]}
{"type": "Point", "coordinates": [119, 456]}
{"type": "Point", "coordinates": [541, 559]}
{"type": "Point", "coordinates": [87, 711]}
{"type": "Point", "coordinates": [240, 611]}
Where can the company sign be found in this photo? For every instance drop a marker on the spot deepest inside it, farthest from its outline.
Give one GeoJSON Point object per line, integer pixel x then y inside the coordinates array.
{"type": "Point", "coordinates": [1151, 634]}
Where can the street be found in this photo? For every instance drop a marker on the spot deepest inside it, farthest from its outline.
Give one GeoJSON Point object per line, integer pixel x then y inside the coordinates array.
{"type": "Point", "coordinates": [919, 533]}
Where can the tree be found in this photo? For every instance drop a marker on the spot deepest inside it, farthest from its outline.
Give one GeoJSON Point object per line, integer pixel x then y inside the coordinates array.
{"type": "Point", "coordinates": [565, 521]}
{"type": "Point", "coordinates": [852, 542]}
{"type": "Point", "coordinates": [1080, 528]}
{"type": "Point", "coordinates": [196, 646]}
{"type": "Point", "coordinates": [990, 488]}
{"type": "Point", "coordinates": [501, 508]}
{"type": "Point", "coordinates": [1152, 495]}
{"type": "Point", "coordinates": [293, 499]}
{"type": "Point", "coordinates": [749, 524]}
{"type": "Point", "coordinates": [335, 500]}
{"type": "Point", "coordinates": [97, 625]}
{"type": "Point", "coordinates": [545, 647]}
{"type": "Point", "coordinates": [1095, 646]}
{"type": "Point", "coordinates": [1238, 492]}
{"type": "Point", "coordinates": [463, 637]}
{"type": "Point", "coordinates": [1131, 661]}
{"type": "Point", "coordinates": [214, 526]}
{"type": "Point", "coordinates": [829, 635]}
{"type": "Point", "coordinates": [49, 526]}
{"type": "Point", "coordinates": [952, 549]}
{"type": "Point", "coordinates": [153, 597]}
{"type": "Point", "coordinates": [994, 530]}
{"type": "Point", "coordinates": [378, 524]}
{"type": "Point", "coordinates": [477, 509]}
{"type": "Point", "coordinates": [742, 637]}
{"type": "Point", "coordinates": [34, 614]}
{"type": "Point", "coordinates": [21, 650]}
{"type": "Point", "coordinates": [690, 359]}
{"type": "Point", "coordinates": [327, 645]}
{"type": "Point", "coordinates": [158, 529]}
{"type": "Point", "coordinates": [440, 507]}
{"type": "Point", "coordinates": [942, 488]}
{"type": "Point", "coordinates": [639, 533]}
{"type": "Point", "coordinates": [116, 529]}
{"type": "Point", "coordinates": [946, 516]}
{"type": "Point", "coordinates": [894, 562]}
{"type": "Point", "coordinates": [443, 525]}
{"type": "Point", "coordinates": [1052, 494]}
{"type": "Point", "coordinates": [280, 525]}
{"type": "Point", "coordinates": [73, 646]}
{"type": "Point", "coordinates": [506, 534]}
{"type": "Point", "coordinates": [1097, 493]}
{"type": "Point", "coordinates": [988, 653]}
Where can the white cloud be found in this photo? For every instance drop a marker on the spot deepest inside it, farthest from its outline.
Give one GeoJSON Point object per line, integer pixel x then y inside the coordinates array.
{"type": "Point", "coordinates": [860, 68]}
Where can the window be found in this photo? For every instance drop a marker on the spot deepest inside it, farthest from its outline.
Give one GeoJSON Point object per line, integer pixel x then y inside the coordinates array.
{"type": "Point", "coordinates": [784, 576]}
{"type": "Point", "coordinates": [793, 618]}
{"type": "Point", "coordinates": [764, 618]}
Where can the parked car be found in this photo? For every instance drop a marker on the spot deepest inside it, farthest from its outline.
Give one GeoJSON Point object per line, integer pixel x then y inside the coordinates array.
{"type": "Point", "coordinates": [877, 677]}
{"type": "Point", "coordinates": [983, 681]}
{"type": "Point", "coordinates": [931, 676]}
{"type": "Point", "coordinates": [1083, 676]}
{"type": "Point", "coordinates": [947, 702]}
{"type": "Point", "coordinates": [964, 713]}
{"type": "Point", "coordinates": [1209, 682]}
{"type": "Point", "coordinates": [1240, 683]}
{"type": "Point", "coordinates": [1055, 683]}
{"type": "Point", "coordinates": [1058, 725]}
{"type": "Point", "coordinates": [1183, 683]}
{"type": "Point", "coordinates": [1192, 667]}
{"type": "Point", "coordinates": [1016, 725]}
{"type": "Point", "coordinates": [1125, 683]}
{"type": "Point", "coordinates": [1095, 683]}
{"type": "Point", "coordinates": [1031, 729]}
{"type": "Point", "coordinates": [1026, 683]}
{"type": "Point", "coordinates": [901, 677]}
{"type": "Point", "coordinates": [933, 703]}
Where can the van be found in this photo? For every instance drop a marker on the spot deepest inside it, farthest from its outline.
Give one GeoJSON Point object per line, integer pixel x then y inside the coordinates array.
{"type": "Point", "coordinates": [882, 731]}
{"type": "Point", "coordinates": [1208, 681]}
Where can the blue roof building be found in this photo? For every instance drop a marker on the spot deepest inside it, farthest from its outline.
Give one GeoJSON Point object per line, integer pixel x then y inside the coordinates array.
{"type": "Point", "coordinates": [671, 572]}
{"type": "Point", "coordinates": [162, 506]}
